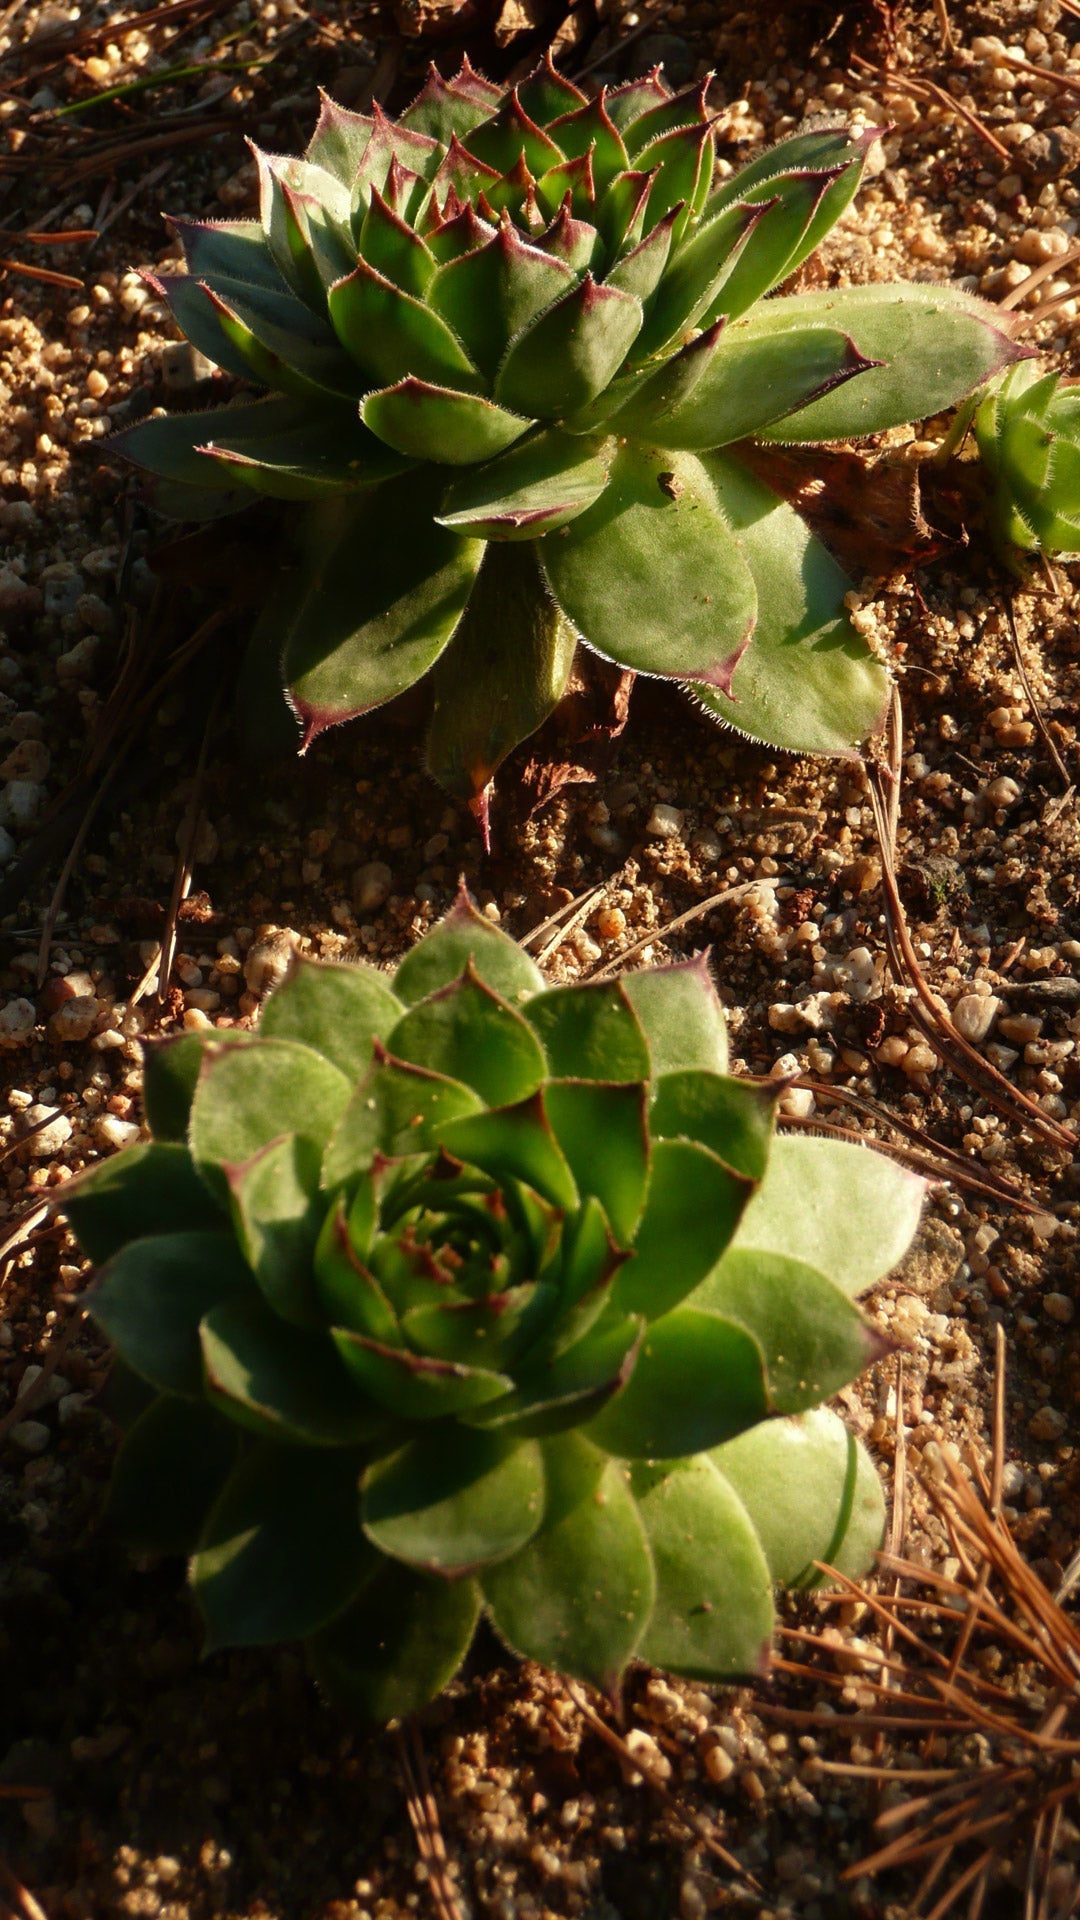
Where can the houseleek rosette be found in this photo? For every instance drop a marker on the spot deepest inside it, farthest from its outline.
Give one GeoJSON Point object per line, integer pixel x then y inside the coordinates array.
{"type": "Point", "coordinates": [453, 1293]}
{"type": "Point", "coordinates": [509, 344]}
{"type": "Point", "coordinates": [1027, 430]}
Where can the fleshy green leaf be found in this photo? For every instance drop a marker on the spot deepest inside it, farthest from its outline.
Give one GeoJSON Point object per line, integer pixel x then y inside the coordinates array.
{"type": "Point", "coordinates": [230, 250]}
{"type": "Point", "coordinates": [377, 597]}
{"type": "Point", "coordinates": [698, 1380]}
{"type": "Point", "coordinates": [651, 576]}
{"type": "Point", "coordinates": [515, 1143]}
{"type": "Point", "coordinates": [601, 1130]}
{"type": "Point", "coordinates": [503, 674]}
{"type": "Point", "coordinates": [468, 1033]}
{"type": "Point", "coordinates": [278, 1211]}
{"type": "Point", "coordinates": [168, 1473]}
{"type": "Point", "coordinates": [151, 1296]}
{"type": "Point", "coordinates": [339, 140]}
{"type": "Point", "coordinates": [488, 295]}
{"type": "Point", "coordinates": [394, 249]}
{"type": "Point", "coordinates": [540, 484]}
{"type": "Point", "coordinates": [809, 683]}
{"type": "Point", "coordinates": [590, 1032]}
{"type": "Point", "coordinates": [397, 1108]}
{"type": "Point", "coordinates": [262, 333]}
{"type": "Point", "coordinates": [281, 1552]}
{"type": "Point", "coordinates": [844, 1209]}
{"type": "Point", "coordinates": [578, 1596]}
{"type": "Point", "coordinates": [151, 1188]}
{"type": "Point", "coordinates": [398, 1644]}
{"type": "Point", "coordinates": [680, 1011]}
{"type": "Point", "coordinates": [733, 1118]}
{"type": "Point", "coordinates": [338, 1010]}
{"type": "Point", "coordinates": [464, 935]}
{"type": "Point", "coordinates": [720, 389]}
{"type": "Point", "coordinates": [454, 1498]}
{"type": "Point", "coordinates": [350, 1294]}
{"type": "Point", "coordinates": [250, 1096]}
{"type": "Point", "coordinates": [813, 1339]}
{"type": "Point", "coordinates": [284, 1384]}
{"type": "Point", "coordinates": [713, 1616]}
{"type": "Point", "coordinates": [392, 334]}
{"type": "Point", "coordinates": [436, 423]}
{"type": "Point", "coordinates": [812, 1493]}
{"type": "Point", "coordinates": [934, 344]}
{"type": "Point", "coordinates": [442, 109]}
{"type": "Point", "coordinates": [287, 448]}
{"type": "Point", "coordinates": [565, 1389]}
{"type": "Point", "coordinates": [415, 1386]}
{"type": "Point", "coordinates": [692, 1208]}
{"type": "Point", "coordinates": [171, 1073]}
{"type": "Point", "coordinates": [790, 205]}
{"type": "Point", "coordinates": [563, 359]}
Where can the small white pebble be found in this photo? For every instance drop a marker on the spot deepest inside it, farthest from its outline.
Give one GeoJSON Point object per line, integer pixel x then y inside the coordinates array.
{"type": "Point", "coordinates": [1003, 792]}
{"type": "Point", "coordinates": [50, 1138]}
{"type": "Point", "coordinates": [30, 1436]}
{"type": "Point", "coordinates": [17, 1021]}
{"type": "Point", "coordinates": [371, 885]}
{"type": "Point", "coordinates": [664, 823]}
{"type": "Point", "coordinates": [974, 1015]}
{"type": "Point", "coordinates": [111, 1131]}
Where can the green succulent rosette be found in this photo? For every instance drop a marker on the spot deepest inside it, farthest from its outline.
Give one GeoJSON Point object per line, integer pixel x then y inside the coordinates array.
{"type": "Point", "coordinates": [1027, 430]}
{"type": "Point", "coordinates": [507, 346]}
{"type": "Point", "coordinates": [453, 1293]}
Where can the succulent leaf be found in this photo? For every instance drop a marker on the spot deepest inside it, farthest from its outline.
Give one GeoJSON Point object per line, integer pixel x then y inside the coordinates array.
{"type": "Point", "coordinates": [839, 1514]}
{"type": "Point", "coordinates": [577, 1597]}
{"type": "Point", "coordinates": [281, 1552]}
{"type": "Point", "coordinates": [815, 1339]}
{"type": "Point", "coordinates": [349, 643]}
{"type": "Point", "coordinates": [399, 1643]}
{"type": "Point", "coordinates": [175, 1443]}
{"type": "Point", "coordinates": [477, 1255]}
{"type": "Point", "coordinates": [454, 1499]}
{"type": "Point", "coordinates": [497, 272]}
{"type": "Point", "coordinates": [839, 693]}
{"type": "Point", "coordinates": [651, 576]}
{"type": "Point", "coordinates": [811, 1219]}
{"type": "Point", "coordinates": [930, 346]}
{"type": "Point", "coordinates": [714, 1613]}
{"type": "Point", "coordinates": [283, 1384]}
{"type": "Point", "coordinates": [481, 712]}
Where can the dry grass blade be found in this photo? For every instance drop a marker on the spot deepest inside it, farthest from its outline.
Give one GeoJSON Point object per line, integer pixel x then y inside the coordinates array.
{"type": "Point", "coordinates": [17, 1900]}
{"type": "Point", "coordinates": [636, 1762]}
{"type": "Point", "coordinates": [1037, 713]}
{"type": "Point", "coordinates": [972, 1822]}
{"type": "Point", "coordinates": [424, 1817]}
{"type": "Point", "coordinates": [923, 89]}
{"type": "Point", "coordinates": [926, 1010]}
{"type": "Point", "coordinates": [698, 912]}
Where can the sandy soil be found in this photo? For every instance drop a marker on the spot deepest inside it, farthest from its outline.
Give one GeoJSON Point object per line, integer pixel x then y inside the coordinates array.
{"type": "Point", "coordinates": [167, 1786]}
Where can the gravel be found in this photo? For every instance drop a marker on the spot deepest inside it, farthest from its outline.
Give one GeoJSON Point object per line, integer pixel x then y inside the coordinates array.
{"type": "Point", "coordinates": [184, 1789]}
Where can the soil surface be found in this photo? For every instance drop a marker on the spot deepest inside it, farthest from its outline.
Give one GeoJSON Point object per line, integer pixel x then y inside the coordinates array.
{"type": "Point", "coordinates": [135, 1778]}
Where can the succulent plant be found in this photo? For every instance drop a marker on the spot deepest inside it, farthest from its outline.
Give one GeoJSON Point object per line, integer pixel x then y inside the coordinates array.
{"type": "Point", "coordinates": [510, 342]}
{"type": "Point", "coordinates": [1027, 430]}
{"type": "Point", "coordinates": [453, 1293]}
